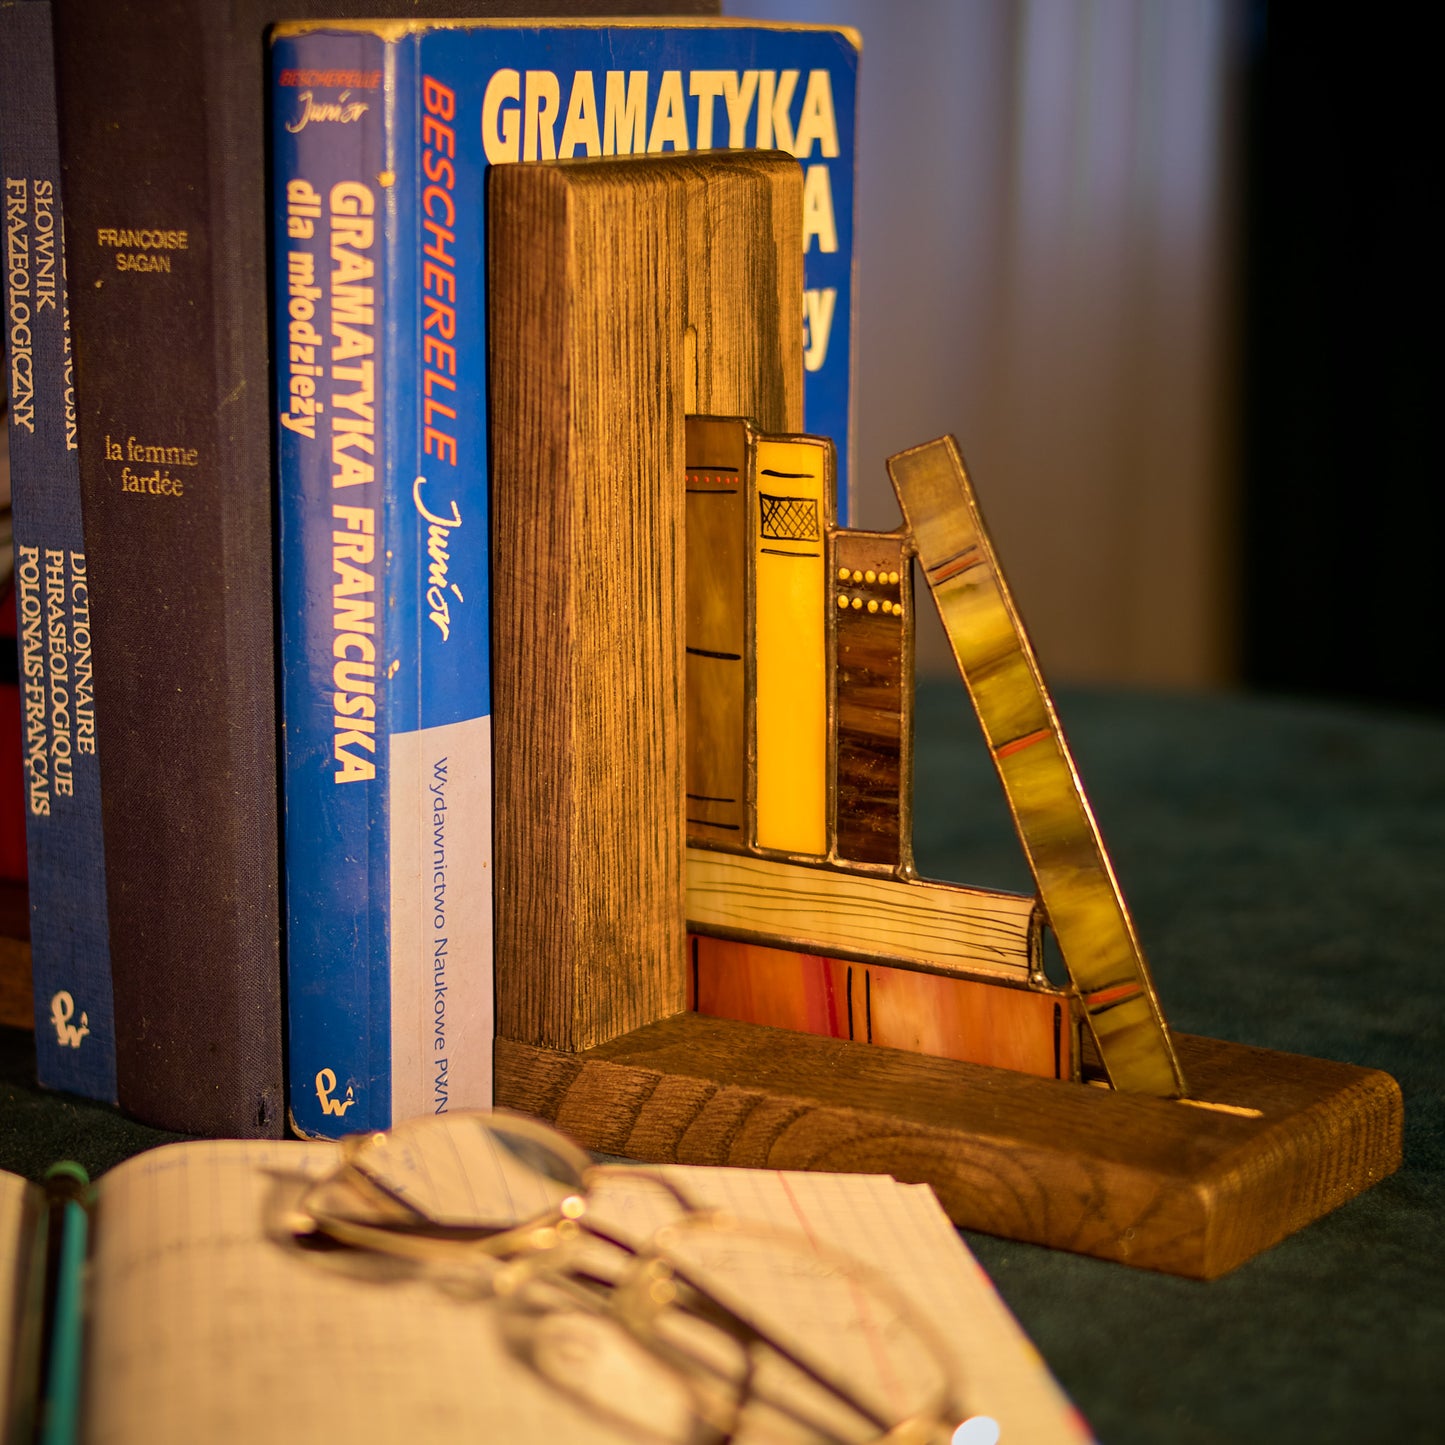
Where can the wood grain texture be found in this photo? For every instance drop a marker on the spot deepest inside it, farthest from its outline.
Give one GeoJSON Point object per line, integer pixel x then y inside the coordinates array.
{"type": "Point", "coordinates": [607, 278]}
{"type": "Point", "coordinates": [939, 927]}
{"type": "Point", "coordinates": [1147, 1181]}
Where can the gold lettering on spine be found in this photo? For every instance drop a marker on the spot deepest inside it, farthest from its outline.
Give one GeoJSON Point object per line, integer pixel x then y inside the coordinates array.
{"type": "Point", "coordinates": [80, 644]}
{"type": "Point", "coordinates": [353, 317]}
{"type": "Point", "coordinates": [18, 305]}
{"type": "Point", "coordinates": [57, 646]}
{"type": "Point", "coordinates": [353, 646]}
{"type": "Point", "coordinates": [351, 209]}
{"type": "Point", "coordinates": [160, 455]}
{"type": "Point", "coordinates": [147, 249]}
{"type": "Point", "coordinates": [32, 671]}
{"type": "Point", "coordinates": [303, 340]}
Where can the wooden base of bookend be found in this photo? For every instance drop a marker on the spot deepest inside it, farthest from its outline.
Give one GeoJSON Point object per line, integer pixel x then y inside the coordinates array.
{"type": "Point", "coordinates": [1150, 1182]}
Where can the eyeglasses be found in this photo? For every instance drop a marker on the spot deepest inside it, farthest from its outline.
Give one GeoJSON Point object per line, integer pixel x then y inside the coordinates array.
{"type": "Point", "coordinates": [678, 1322]}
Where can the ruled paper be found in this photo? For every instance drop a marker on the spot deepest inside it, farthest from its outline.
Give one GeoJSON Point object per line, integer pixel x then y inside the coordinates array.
{"type": "Point", "coordinates": [14, 1256]}
{"type": "Point", "coordinates": [210, 1323]}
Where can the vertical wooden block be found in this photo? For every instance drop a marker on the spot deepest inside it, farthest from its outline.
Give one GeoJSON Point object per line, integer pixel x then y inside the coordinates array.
{"type": "Point", "coordinates": [623, 292]}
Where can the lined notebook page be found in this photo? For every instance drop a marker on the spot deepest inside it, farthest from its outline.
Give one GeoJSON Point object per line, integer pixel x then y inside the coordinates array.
{"type": "Point", "coordinates": [902, 1231]}
{"type": "Point", "coordinates": [14, 1254]}
{"type": "Point", "coordinates": [209, 1324]}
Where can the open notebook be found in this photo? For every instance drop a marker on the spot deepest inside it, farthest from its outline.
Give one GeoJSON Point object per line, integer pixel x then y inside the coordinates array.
{"type": "Point", "coordinates": [207, 1322]}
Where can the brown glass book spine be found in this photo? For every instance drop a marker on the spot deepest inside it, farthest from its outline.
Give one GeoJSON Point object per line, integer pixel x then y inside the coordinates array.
{"type": "Point", "coordinates": [871, 599]}
{"type": "Point", "coordinates": [719, 632]}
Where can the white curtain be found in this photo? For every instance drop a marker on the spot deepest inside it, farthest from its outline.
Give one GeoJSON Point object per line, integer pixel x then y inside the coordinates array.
{"type": "Point", "coordinates": [1046, 257]}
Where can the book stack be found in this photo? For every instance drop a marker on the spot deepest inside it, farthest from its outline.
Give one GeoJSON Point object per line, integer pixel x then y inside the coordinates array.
{"type": "Point", "coordinates": [252, 538]}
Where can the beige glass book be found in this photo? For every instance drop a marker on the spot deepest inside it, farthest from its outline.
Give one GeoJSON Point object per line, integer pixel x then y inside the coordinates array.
{"type": "Point", "coordinates": [208, 1321]}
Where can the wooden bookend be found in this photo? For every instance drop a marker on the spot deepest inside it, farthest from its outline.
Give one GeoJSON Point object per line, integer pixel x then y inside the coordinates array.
{"type": "Point", "coordinates": [625, 295]}
{"type": "Point", "coordinates": [1146, 1181]}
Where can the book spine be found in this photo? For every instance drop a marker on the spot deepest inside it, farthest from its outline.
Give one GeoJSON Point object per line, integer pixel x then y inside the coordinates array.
{"type": "Point", "coordinates": [163, 247]}
{"type": "Point", "coordinates": [381, 453]}
{"type": "Point", "coordinates": [718, 638]}
{"type": "Point", "coordinates": [790, 490]}
{"type": "Point", "coordinates": [69, 934]}
{"type": "Point", "coordinates": [872, 611]}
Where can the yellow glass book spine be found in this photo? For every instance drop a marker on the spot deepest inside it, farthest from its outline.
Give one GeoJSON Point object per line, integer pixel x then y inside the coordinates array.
{"type": "Point", "coordinates": [793, 508]}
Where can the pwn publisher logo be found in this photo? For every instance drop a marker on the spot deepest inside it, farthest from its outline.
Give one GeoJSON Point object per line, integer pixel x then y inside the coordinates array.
{"type": "Point", "coordinates": [326, 1087]}
{"type": "Point", "coordinates": [62, 1010]}
{"type": "Point", "coordinates": [979, 1430]}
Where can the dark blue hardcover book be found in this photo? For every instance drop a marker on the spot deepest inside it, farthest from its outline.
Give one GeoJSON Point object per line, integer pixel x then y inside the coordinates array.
{"type": "Point", "coordinates": [382, 135]}
{"type": "Point", "coordinates": [69, 934]}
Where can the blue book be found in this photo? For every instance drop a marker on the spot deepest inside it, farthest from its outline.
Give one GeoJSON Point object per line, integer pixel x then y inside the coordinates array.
{"type": "Point", "coordinates": [382, 135]}
{"type": "Point", "coordinates": [69, 934]}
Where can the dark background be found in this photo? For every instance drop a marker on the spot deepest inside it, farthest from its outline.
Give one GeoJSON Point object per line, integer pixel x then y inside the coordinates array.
{"type": "Point", "coordinates": [1342, 504]}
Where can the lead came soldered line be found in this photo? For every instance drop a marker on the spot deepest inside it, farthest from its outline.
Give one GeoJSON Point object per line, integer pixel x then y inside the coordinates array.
{"type": "Point", "coordinates": [950, 567]}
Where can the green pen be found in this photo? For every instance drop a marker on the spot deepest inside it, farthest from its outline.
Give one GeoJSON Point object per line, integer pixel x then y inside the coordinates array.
{"type": "Point", "coordinates": [67, 1199]}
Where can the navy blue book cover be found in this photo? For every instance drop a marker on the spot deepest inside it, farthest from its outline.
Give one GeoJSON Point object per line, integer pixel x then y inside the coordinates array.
{"type": "Point", "coordinates": [69, 936]}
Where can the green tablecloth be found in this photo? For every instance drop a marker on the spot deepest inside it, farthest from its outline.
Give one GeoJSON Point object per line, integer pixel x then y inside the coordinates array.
{"type": "Point", "coordinates": [1286, 867]}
